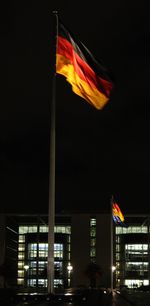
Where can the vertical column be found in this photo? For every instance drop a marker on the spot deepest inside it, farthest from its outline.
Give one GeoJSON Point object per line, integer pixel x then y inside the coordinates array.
{"type": "Point", "coordinates": [2, 248]}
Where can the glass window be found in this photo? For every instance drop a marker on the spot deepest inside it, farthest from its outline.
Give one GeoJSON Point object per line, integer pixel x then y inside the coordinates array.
{"type": "Point", "coordinates": [133, 283]}
{"type": "Point", "coordinates": [58, 246]}
{"type": "Point", "coordinates": [136, 265]}
{"type": "Point", "coordinates": [42, 264]}
{"type": "Point", "coordinates": [43, 253]}
{"type": "Point", "coordinates": [58, 282]}
{"type": "Point", "coordinates": [20, 281]}
{"type": "Point", "coordinates": [33, 271]}
{"type": "Point", "coordinates": [31, 282]}
{"type": "Point", "coordinates": [131, 230]}
{"type": "Point", "coordinates": [117, 256]}
{"type": "Point", "coordinates": [27, 229]}
{"type": "Point", "coordinates": [20, 273]}
{"type": "Point", "coordinates": [21, 256]}
{"type": "Point", "coordinates": [136, 246]}
{"type": "Point", "coordinates": [43, 249]}
{"type": "Point", "coordinates": [42, 282]}
{"type": "Point", "coordinates": [43, 229]}
{"type": "Point", "coordinates": [93, 239]}
{"type": "Point", "coordinates": [93, 232]}
{"type": "Point", "coordinates": [23, 229]}
{"type": "Point", "coordinates": [58, 265]}
{"type": "Point", "coordinates": [21, 247]}
{"type": "Point", "coordinates": [20, 265]}
{"type": "Point", "coordinates": [21, 238]}
{"type": "Point", "coordinates": [58, 254]}
{"type": "Point", "coordinates": [32, 246]}
{"type": "Point", "coordinates": [93, 242]}
{"type": "Point", "coordinates": [33, 264]}
{"type": "Point", "coordinates": [43, 246]}
{"type": "Point", "coordinates": [117, 248]}
{"type": "Point", "coordinates": [62, 229]}
{"type": "Point", "coordinates": [92, 222]}
{"type": "Point", "coordinates": [92, 252]}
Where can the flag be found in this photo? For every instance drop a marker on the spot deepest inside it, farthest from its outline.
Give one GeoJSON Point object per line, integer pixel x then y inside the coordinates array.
{"type": "Point", "coordinates": [88, 77]}
{"type": "Point", "coordinates": [117, 215]}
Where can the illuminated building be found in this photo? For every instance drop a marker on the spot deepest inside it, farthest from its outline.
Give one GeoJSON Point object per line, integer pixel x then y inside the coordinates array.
{"type": "Point", "coordinates": [79, 240]}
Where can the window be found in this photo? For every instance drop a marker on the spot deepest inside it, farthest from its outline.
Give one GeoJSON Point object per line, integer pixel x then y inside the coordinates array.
{"type": "Point", "coordinates": [36, 254]}
{"type": "Point", "coordinates": [43, 250]}
{"type": "Point", "coordinates": [131, 230]}
{"type": "Point", "coordinates": [93, 239]}
{"type": "Point", "coordinates": [58, 251]}
{"type": "Point", "coordinates": [32, 250]}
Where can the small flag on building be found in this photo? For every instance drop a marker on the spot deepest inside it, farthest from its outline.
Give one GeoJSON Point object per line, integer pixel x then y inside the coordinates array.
{"type": "Point", "coordinates": [88, 77]}
{"type": "Point", "coordinates": [117, 214]}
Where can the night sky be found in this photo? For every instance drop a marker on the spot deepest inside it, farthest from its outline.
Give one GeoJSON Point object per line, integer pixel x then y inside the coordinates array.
{"type": "Point", "coordinates": [98, 153]}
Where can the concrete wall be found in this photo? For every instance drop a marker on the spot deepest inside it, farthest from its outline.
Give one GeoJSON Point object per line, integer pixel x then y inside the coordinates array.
{"type": "Point", "coordinates": [80, 248]}
{"type": "Point", "coordinates": [103, 250]}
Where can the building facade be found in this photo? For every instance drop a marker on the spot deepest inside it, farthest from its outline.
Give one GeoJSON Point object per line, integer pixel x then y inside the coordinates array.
{"type": "Point", "coordinates": [132, 252]}
{"type": "Point", "coordinates": [79, 240]}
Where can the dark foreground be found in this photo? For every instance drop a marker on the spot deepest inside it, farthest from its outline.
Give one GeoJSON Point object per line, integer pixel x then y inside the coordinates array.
{"type": "Point", "coordinates": [92, 297]}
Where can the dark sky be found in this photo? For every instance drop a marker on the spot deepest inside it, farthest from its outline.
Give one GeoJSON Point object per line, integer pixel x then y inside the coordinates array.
{"type": "Point", "coordinates": [98, 153]}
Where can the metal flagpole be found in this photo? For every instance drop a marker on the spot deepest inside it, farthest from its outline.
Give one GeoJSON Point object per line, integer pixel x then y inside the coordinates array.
{"type": "Point", "coordinates": [51, 208]}
{"type": "Point", "coordinates": [111, 238]}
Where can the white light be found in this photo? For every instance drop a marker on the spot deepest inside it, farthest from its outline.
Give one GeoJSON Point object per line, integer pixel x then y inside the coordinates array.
{"type": "Point", "coordinates": [113, 268]}
{"type": "Point", "coordinates": [26, 267]}
{"type": "Point", "coordinates": [69, 267]}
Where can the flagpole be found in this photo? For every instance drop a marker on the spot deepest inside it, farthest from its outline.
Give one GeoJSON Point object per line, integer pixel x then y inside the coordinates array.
{"type": "Point", "coordinates": [51, 207]}
{"type": "Point", "coordinates": [111, 239]}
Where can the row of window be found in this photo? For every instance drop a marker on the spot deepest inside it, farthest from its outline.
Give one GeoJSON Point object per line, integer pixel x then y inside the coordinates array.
{"type": "Point", "coordinates": [32, 253]}
{"type": "Point", "coordinates": [132, 260]}
{"type": "Point", "coordinates": [93, 240]}
{"type": "Point", "coordinates": [135, 255]}
{"type": "Point", "coordinates": [131, 230]}
{"type": "Point", "coordinates": [43, 229]}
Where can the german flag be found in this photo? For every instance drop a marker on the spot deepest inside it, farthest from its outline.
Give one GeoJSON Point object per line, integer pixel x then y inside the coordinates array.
{"type": "Point", "coordinates": [118, 216]}
{"type": "Point", "coordinates": [89, 79]}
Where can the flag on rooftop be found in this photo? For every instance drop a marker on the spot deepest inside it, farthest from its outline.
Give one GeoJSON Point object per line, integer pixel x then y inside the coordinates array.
{"type": "Point", "coordinates": [88, 77]}
{"type": "Point", "coordinates": [117, 214]}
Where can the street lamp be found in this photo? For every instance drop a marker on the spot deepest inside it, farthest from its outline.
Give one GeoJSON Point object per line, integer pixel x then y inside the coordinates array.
{"type": "Point", "coordinates": [69, 269]}
{"type": "Point", "coordinates": [113, 268]}
{"type": "Point", "coordinates": [26, 268]}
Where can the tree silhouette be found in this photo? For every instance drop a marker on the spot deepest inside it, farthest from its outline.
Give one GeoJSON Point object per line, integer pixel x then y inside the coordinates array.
{"type": "Point", "coordinates": [93, 272]}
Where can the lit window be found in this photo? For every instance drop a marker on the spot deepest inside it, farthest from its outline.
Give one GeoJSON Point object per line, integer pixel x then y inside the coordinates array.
{"type": "Point", "coordinates": [43, 249]}
{"type": "Point", "coordinates": [21, 247]}
{"type": "Point", "coordinates": [92, 252]}
{"type": "Point", "coordinates": [32, 229]}
{"type": "Point", "coordinates": [21, 255]}
{"type": "Point", "coordinates": [58, 246]}
{"type": "Point", "coordinates": [43, 229]}
{"type": "Point", "coordinates": [21, 238]}
{"type": "Point", "coordinates": [20, 273]}
{"type": "Point", "coordinates": [20, 281]}
{"type": "Point", "coordinates": [23, 229]}
{"type": "Point", "coordinates": [131, 230]}
{"type": "Point", "coordinates": [93, 239]}
{"type": "Point", "coordinates": [136, 246]}
{"type": "Point", "coordinates": [62, 229]}
{"type": "Point", "coordinates": [93, 242]}
{"type": "Point", "coordinates": [117, 256]}
{"type": "Point", "coordinates": [20, 265]}
{"type": "Point", "coordinates": [27, 229]}
{"type": "Point", "coordinates": [92, 222]}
